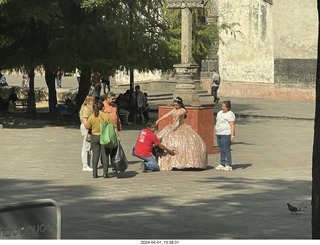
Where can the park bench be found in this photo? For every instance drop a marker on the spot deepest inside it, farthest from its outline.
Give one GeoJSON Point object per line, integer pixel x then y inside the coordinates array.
{"type": "Point", "coordinates": [21, 103]}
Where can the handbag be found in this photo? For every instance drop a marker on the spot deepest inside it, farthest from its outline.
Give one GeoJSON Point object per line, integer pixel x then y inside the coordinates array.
{"type": "Point", "coordinates": [119, 161]}
{"type": "Point", "coordinates": [108, 137]}
{"type": "Point", "coordinates": [88, 137]}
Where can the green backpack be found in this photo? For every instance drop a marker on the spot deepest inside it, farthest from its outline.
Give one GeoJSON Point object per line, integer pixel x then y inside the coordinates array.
{"type": "Point", "coordinates": [108, 137]}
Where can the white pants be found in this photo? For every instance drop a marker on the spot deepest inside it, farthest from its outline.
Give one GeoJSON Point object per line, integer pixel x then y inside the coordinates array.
{"type": "Point", "coordinates": [85, 152]}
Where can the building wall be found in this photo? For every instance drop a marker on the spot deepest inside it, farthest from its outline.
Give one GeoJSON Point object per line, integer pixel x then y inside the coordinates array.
{"type": "Point", "coordinates": [295, 42]}
{"type": "Point", "coordinates": [123, 77]}
{"type": "Point", "coordinates": [245, 53]}
{"type": "Point", "coordinates": [273, 43]}
{"type": "Point", "coordinates": [295, 29]}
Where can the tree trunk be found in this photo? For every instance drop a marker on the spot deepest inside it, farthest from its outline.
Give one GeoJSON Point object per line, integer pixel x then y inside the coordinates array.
{"type": "Point", "coordinates": [50, 81]}
{"type": "Point", "coordinates": [31, 102]}
{"type": "Point", "coordinates": [316, 152]}
{"type": "Point", "coordinates": [84, 86]}
{"type": "Point", "coordinates": [131, 79]}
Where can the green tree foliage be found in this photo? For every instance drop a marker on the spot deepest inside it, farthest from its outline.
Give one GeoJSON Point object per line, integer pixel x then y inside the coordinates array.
{"type": "Point", "coordinates": [135, 32]}
{"type": "Point", "coordinates": [96, 36]}
{"type": "Point", "coordinates": [205, 35]}
{"type": "Point", "coordinates": [172, 19]}
{"type": "Point", "coordinates": [24, 33]}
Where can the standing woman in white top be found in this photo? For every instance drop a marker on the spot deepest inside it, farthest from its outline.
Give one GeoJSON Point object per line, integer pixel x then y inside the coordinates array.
{"type": "Point", "coordinates": [224, 131]}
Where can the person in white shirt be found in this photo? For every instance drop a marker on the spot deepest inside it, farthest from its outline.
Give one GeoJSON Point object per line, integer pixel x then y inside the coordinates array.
{"type": "Point", "coordinates": [225, 133]}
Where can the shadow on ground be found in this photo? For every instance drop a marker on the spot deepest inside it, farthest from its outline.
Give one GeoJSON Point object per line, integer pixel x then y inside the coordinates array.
{"type": "Point", "coordinates": [244, 209]}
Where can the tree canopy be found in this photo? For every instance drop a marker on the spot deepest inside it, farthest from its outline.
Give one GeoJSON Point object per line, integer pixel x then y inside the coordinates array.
{"type": "Point", "coordinates": [96, 36]}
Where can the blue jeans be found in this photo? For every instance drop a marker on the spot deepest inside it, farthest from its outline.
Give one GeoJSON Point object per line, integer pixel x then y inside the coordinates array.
{"type": "Point", "coordinates": [214, 92]}
{"type": "Point", "coordinates": [97, 91]}
{"type": "Point", "coordinates": [58, 81]}
{"type": "Point", "coordinates": [224, 143]}
{"type": "Point", "coordinates": [150, 162]}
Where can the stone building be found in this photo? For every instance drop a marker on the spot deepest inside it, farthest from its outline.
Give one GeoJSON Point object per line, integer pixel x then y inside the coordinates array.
{"type": "Point", "coordinates": [270, 51]}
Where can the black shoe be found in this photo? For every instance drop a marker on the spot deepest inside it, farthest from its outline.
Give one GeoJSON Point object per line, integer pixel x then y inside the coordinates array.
{"type": "Point", "coordinates": [143, 167]}
{"type": "Point", "coordinates": [106, 176]}
{"type": "Point", "coordinates": [95, 176]}
{"type": "Point", "coordinates": [218, 100]}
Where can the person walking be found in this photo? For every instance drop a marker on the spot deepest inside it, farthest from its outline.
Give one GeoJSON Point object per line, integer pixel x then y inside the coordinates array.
{"type": "Point", "coordinates": [225, 133]}
{"type": "Point", "coordinates": [105, 83]}
{"type": "Point", "coordinates": [95, 80]}
{"type": "Point", "coordinates": [78, 75]}
{"type": "Point", "coordinates": [140, 100]}
{"type": "Point", "coordinates": [85, 111]}
{"type": "Point", "coordinates": [144, 146]}
{"type": "Point", "coordinates": [215, 82]}
{"type": "Point", "coordinates": [59, 78]}
{"type": "Point", "coordinates": [98, 150]}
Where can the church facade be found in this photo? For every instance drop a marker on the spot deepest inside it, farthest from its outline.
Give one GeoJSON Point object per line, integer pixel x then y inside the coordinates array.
{"type": "Point", "coordinates": [270, 50]}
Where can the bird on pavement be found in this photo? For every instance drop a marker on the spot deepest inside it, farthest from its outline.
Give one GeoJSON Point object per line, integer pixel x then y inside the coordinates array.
{"type": "Point", "coordinates": [292, 208]}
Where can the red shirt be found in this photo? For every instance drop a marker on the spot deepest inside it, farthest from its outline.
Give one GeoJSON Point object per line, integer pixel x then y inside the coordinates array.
{"type": "Point", "coordinates": [146, 141]}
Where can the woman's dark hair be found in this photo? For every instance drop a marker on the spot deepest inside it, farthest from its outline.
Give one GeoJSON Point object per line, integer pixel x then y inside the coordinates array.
{"type": "Point", "coordinates": [228, 104]}
{"type": "Point", "coordinates": [97, 107]}
{"type": "Point", "coordinates": [180, 103]}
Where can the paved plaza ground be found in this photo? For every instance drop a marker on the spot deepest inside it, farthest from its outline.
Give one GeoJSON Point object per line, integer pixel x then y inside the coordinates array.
{"type": "Point", "coordinates": [272, 159]}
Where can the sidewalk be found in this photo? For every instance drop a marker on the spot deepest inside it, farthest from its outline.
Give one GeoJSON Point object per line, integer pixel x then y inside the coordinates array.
{"type": "Point", "coordinates": [272, 166]}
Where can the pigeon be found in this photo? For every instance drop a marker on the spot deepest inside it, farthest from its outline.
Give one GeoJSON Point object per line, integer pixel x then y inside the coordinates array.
{"type": "Point", "coordinates": [292, 208]}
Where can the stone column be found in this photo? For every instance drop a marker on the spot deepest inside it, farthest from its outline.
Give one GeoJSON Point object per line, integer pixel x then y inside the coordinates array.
{"type": "Point", "coordinates": [186, 36]}
{"type": "Point", "coordinates": [200, 115]}
{"type": "Point", "coordinates": [186, 70]}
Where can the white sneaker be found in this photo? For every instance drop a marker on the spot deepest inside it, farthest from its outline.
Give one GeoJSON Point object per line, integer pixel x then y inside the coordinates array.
{"type": "Point", "coordinates": [220, 167]}
{"type": "Point", "coordinates": [87, 169]}
{"type": "Point", "coordinates": [227, 168]}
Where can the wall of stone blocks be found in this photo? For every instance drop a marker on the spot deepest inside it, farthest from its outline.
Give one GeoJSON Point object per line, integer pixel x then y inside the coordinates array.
{"type": "Point", "coordinates": [295, 73]}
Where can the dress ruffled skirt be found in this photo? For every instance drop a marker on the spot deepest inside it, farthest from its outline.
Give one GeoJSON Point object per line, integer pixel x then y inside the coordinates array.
{"type": "Point", "coordinates": [190, 149]}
